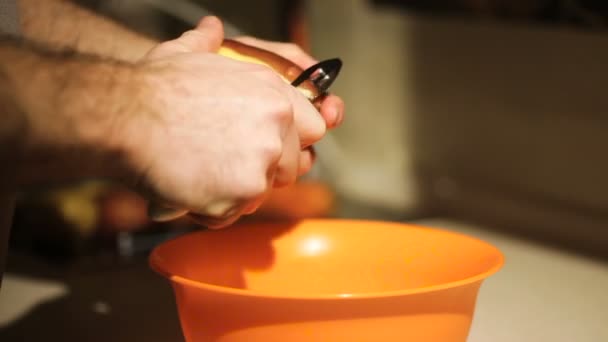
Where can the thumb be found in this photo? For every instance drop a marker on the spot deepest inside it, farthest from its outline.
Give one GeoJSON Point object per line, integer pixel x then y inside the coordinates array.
{"type": "Point", "coordinates": [206, 37]}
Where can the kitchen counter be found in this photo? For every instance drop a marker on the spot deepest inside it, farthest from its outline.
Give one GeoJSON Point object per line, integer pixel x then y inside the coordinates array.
{"type": "Point", "coordinates": [542, 294]}
{"type": "Point", "coordinates": [118, 302]}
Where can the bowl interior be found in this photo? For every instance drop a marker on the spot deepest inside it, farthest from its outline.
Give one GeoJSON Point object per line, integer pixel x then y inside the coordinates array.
{"type": "Point", "coordinates": [326, 257]}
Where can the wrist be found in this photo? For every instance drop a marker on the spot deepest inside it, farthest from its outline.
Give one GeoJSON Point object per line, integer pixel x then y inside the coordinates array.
{"type": "Point", "coordinates": [137, 126]}
{"type": "Point", "coordinates": [102, 103]}
{"type": "Point", "coordinates": [72, 106]}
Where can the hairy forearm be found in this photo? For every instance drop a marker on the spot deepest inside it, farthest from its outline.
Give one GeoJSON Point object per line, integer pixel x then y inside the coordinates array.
{"type": "Point", "coordinates": [63, 24]}
{"type": "Point", "coordinates": [58, 112]}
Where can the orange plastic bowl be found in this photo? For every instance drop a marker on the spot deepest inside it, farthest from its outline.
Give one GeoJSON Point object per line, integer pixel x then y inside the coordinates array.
{"type": "Point", "coordinates": [326, 280]}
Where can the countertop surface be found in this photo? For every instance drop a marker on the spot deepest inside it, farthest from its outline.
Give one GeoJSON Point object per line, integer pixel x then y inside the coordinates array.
{"type": "Point", "coordinates": [542, 294]}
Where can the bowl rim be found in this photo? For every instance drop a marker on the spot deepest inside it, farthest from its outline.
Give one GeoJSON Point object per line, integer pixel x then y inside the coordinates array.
{"type": "Point", "coordinates": [155, 263]}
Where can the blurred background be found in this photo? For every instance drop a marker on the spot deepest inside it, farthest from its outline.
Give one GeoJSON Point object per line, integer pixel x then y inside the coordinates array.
{"type": "Point", "coordinates": [482, 116]}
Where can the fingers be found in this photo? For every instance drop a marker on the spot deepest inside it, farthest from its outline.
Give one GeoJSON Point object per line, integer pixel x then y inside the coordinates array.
{"type": "Point", "coordinates": [332, 111]}
{"type": "Point", "coordinates": [217, 222]}
{"type": "Point", "coordinates": [287, 168]}
{"type": "Point", "coordinates": [213, 222]}
{"type": "Point", "coordinates": [307, 159]}
{"type": "Point", "coordinates": [332, 107]}
{"type": "Point", "coordinates": [206, 37]}
{"type": "Point", "coordinates": [310, 124]}
{"type": "Point", "coordinates": [219, 217]}
{"type": "Point", "coordinates": [254, 205]}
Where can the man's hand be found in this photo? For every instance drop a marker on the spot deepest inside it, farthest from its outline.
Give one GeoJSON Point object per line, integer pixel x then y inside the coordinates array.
{"type": "Point", "coordinates": [196, 129]}
{"type": "Point", "coordinates": [332, 107]}
{"type": "Point", "coordinates": [215, 134]}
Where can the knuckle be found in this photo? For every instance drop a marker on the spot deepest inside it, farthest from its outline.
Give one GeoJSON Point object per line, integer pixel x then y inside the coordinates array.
{"type": "Point", "coordinates": [271, 150]}
{"type": "Point", "coordinates": [255, 182]}
{"type": "Point", "coordinates": [254, 187]}
{"type": "Point", "coordinates": [190, 35]}
{"type": "Point", "coordinates": [283, 110]}
{"type": "Point", "coordinates": [220, 208]}
{"type": "Point", "coordinates": [315, 132]}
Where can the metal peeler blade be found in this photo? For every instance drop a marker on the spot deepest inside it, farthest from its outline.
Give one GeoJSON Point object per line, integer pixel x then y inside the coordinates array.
{"type": "Point", "coordinates": [322, 74]}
